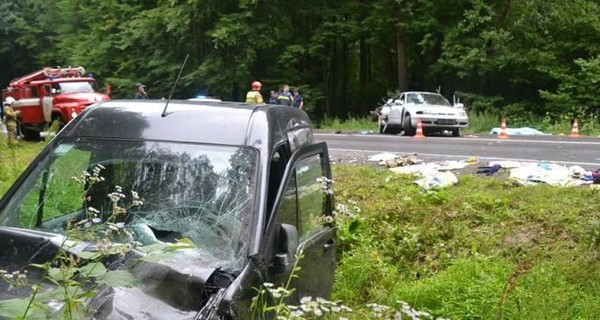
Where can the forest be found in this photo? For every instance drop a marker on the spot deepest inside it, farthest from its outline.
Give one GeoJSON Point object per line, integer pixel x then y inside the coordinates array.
{"type": "Point", "coordinates": [528, 58]}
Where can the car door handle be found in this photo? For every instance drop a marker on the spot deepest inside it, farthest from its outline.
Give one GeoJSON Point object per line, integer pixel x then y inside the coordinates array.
{"type": "Point", "coordinates": [328, 245]}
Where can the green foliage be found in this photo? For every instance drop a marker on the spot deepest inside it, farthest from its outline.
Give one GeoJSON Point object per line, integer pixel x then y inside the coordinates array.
{"type": "Point", "coordinates": [532, 57]}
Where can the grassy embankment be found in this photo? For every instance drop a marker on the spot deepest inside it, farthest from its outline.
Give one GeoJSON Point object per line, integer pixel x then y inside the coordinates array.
{"type": "Point", "coordinates": [482, 249]}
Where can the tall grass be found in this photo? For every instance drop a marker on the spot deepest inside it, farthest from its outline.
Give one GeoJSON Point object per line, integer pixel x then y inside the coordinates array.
{"type": "Point", "coordinates": [351, 124]}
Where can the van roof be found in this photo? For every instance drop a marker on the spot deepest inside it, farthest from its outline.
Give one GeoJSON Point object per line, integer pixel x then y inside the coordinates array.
{"type": "Point", "coordinates": [226, 123]}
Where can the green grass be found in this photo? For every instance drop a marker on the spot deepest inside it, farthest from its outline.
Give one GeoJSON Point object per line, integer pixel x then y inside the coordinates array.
{"type": "Point", "coordinates": [352, 124]}
{"type": "Point", "coordinates": [483, 249]}
{"type": "Point", "coordinates": [14, 159]}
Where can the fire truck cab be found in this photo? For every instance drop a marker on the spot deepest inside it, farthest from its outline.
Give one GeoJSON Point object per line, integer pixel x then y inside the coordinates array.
{"type": "Point", "coordinates": [51, 94]}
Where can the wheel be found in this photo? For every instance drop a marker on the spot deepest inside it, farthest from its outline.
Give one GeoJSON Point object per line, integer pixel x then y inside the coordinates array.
{"type": "Point", "coordinates": [457, 132]}
{"type": "Point", "coordinates": [30, 134]}
{"type": "Point", "coordinates": [408, 128]}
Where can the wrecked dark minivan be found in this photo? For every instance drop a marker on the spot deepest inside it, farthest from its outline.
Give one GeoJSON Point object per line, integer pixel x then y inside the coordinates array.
{"type": "Point", "coordinates": [229, 194]}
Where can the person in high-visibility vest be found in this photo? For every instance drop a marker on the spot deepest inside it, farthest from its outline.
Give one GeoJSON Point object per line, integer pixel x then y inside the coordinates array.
{"type": "Point", "coordinates": [10, 117]}
{"type": "Point", "coordinates": [285, 97]}
{"type": "Point", "coordinates": [254, 95]}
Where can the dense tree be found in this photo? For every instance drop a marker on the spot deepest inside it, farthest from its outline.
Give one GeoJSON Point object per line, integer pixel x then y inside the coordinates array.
{"type": "Point", "coordinates": [524, 57]}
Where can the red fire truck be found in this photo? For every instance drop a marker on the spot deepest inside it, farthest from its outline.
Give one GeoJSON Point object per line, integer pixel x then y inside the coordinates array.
{"type": "Point", "coordinates": [51, 94]}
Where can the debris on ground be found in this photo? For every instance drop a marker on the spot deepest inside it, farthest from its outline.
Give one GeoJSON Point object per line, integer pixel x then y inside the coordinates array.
{"type": "Point", "coordinates": [433, 174]}
{"type": "Point", "coordinates": [439, 173]}
{"type": "Point", "coordinates": [532, 173]}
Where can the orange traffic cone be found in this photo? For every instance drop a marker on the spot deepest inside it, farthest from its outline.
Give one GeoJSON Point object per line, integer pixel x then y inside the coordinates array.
{"type": "Point", "coordinates": [503, 134]}
{"type": "Point", "coordinates": [419, 133]}
{"type": "Point", "coordinates": [575, 130]}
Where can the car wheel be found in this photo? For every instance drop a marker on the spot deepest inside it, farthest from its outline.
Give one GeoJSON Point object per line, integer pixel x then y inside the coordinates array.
{"type": "Point", "coordinates": [408, 128]}
{"type": "Point", "coordinates": [457, 132]}
{"type": "Point", "coordinates": [30, 134]}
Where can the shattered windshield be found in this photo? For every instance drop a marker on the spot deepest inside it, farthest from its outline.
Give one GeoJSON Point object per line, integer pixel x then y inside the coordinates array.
{"type": "Point", "coordinates": [169, 192]}
{"type": "Point", "coordinates": [76, 87]}
{"type": "Point", "coordinates": [427, 98]}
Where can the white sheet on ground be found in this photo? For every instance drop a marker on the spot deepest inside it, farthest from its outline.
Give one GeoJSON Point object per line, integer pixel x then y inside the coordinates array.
{"type": "Point", "coordinates": [524, 131]}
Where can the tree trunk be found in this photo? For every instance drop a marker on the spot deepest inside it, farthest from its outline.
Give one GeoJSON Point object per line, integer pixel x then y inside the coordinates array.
{"type": "Point", "coordinates": [400, 51]}
{"type": "Point", "coordinates": [363, 75]}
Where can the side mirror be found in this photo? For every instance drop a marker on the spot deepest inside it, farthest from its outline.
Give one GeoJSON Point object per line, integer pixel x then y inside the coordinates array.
{"type": "Point", "coordinates": [287, 245]}
{"type": "Point", "coordinates": [459, 105]}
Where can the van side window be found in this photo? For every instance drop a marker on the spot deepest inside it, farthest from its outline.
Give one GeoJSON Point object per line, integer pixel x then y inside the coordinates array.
{"type": "Point", "coordinates": [311, 198]}
{"type": "Point", "coordinates": [277, 165]}
{"type": "Point", "coordinates": [304, 203]}
{"type": "Point", "coordinates": [288, 211]}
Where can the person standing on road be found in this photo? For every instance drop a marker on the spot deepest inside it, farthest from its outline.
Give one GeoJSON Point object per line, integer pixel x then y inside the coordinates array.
{"type": "Point", "coordinates": [298, 100]}
{"type": "Point", "coordinates": [273, 97]}
{"type": "Point", "coordinates": [284, 97]}
{"type": "Point", "coordinates": [254, 96]}
{"type": "Point", "coordinates": [140, 91]}
{"type": "Point", "coordinates": [11, 120]}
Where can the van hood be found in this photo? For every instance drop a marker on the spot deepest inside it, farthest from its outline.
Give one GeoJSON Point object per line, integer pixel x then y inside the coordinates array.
{"type": "Point", "coordinates": [178, 286]}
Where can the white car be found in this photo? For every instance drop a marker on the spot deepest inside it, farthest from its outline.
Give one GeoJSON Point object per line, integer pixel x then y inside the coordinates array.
{"type": "Point", "coordinates": [434, 111]}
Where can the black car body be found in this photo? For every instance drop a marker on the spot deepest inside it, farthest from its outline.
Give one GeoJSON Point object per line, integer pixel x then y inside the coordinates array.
{"type": "Point", "coordinates": [242, 182]}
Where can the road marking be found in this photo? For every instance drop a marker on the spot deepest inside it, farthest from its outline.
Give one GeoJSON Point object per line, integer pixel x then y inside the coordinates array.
{"type": "Point", "coordinates": [595, 164]}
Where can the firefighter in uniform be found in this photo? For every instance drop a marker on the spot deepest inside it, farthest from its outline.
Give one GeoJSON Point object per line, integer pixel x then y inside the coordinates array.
{"type": "Point", "coordinates": [285, 97]}
{"type": "Point", "coordinates": [254, 95]}
{"type": "Point", "coordinates": [10, 117]}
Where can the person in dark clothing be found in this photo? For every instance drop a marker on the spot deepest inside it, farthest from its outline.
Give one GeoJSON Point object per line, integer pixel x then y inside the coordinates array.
{"type": "Point", "coordinates": [298, 101]}
{"type": "Point", "coordinates": [140, 91]}
{"type": "Point", "coordinates": [273, 98]}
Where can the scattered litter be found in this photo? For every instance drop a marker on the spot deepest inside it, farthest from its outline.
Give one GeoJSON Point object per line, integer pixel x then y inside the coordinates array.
{"type": "Point", "coordinates": [439, 174]}
{"type": "Point", "coordinates": [507, 164]}
{"type": "Point", "coordinates": [532, 174]}
{"type": "Point", "coordinates": [382, 157]}
{"type": "Point", "coordinates": [401, 161]}
{"type": "Point", "coordinates": [440, 179]}
{"type": "Point", "coordinates": [472, 160]}
{"type": "Point", "coordinates": [524, 131]}
{"type": "Point", "coordinates": [433, 174]}
{"type": "Point", "coordinates": [489, 170]}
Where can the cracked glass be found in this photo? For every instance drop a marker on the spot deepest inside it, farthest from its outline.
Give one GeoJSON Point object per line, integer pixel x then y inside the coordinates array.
{"type": "Point", "coordinates": [203, 193]}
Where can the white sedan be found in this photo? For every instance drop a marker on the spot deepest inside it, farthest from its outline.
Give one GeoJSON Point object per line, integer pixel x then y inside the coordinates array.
{"type": "Point", "coordinates": [434, 111]}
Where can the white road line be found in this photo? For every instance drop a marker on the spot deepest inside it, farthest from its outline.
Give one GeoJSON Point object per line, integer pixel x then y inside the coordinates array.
{"type": "Point", "coordinates": [470, 156]}
{"type": "Point", "coordinates": [466, 139]}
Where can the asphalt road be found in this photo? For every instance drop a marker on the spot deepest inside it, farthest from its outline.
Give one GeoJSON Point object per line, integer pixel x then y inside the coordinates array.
{"type": "Point", "coordinates": [564, 150]}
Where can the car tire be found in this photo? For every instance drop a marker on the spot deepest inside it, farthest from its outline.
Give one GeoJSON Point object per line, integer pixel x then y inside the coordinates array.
{"type": "Point", "coordinates": [457, 132]}
{"type": "Point", "coordinates": [30, 134]}
{"type": "Point", "coordinates": [408, 128]}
